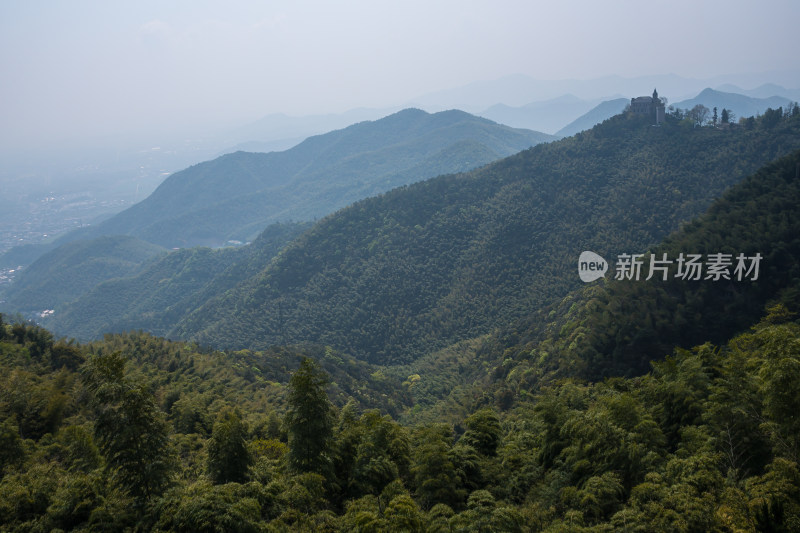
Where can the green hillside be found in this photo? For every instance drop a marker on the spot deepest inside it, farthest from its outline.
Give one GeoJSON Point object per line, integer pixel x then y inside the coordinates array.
{"type": "Point", "coordinates": [394, 277]}
{"type": "Point", "coordinates": [65, 273]}
{"type": "Point", "coordinates": [237, 195]}
{"type": "Point", "coordinates": [163, 291]}
{"type": "Point", "coordinates": [617, 327]}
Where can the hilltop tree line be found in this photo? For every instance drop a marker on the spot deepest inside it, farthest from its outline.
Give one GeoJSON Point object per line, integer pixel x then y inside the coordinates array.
{"type": "Point", "coordinates": [701, 115]}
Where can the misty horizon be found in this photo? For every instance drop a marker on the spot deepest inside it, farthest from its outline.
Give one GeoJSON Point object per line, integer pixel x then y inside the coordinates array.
{"type": "Point", "coordinates": [478, 97]}
{"type": "Point", "coordinates": [86, 75]}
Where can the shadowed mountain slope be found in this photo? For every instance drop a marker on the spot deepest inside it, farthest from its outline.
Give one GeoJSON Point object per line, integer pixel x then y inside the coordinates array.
{"type": "Point", "coordinates": [391, 278]}
{"type": "Point", "coordinates": [237, 195]}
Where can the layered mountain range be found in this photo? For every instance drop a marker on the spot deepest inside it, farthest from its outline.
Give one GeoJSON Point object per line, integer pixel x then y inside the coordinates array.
{"type": "Point", "coordinates": [397, 276]}
{"type": "Point", "coordinates": [231, 199]}
{"type": "Point", "coordinates": [430, 358]}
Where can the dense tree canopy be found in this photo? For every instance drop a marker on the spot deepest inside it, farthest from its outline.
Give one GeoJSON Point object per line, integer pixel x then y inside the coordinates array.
{"type": "Point", "coordinates": [705, 441]}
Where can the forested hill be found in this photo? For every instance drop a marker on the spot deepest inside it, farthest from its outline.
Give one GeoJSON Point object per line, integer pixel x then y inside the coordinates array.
{"type": "Point", "coordinates": [68, 271]}
{"type": "Point", "coordinates": [393, 277]}
{"type": "Point", "coordinates": [611, 328]}
{"type": "Point", "coordinates": [237, 195]}
{"type": "Point", "coordinates": [162, 291]}
{"type": "Point", "coordinates": [616, 327]}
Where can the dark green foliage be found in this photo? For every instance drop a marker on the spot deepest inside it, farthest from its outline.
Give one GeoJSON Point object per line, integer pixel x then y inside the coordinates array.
{"type": "Point", "coordinates": [483, 431]}
{"type": "Point", "coordinates": [189, 414]}
{"type": "Point", "coordinates": [771, 117]}
{"type": "Point", "coordinates": [615, 434]}
{"type": "Point", "coordinates": [705, 442]}
{"type": "Point", "coordinates": [778, 383]}
{"type": "Point", "coordinates": [485, 516]}
{"type": "Point", "coordinates": [70, 271]}
{"type": "Point", "coordinates": [168, 288]}
{"type": "Point", "coordinates": [18, 333]}
{"type": "Point", "coordinates": [381, 456]}
{"type": "Point", "coordinates": [74, 448]}
{"type": "Point", "coordinates": [434, 472]}
{"type": "Point", "coordinates": [66, 355]}
{"type": "Point", "coordinates": [471, 468]}
{"type": "Point", "coordinates": [74, 502]}
{"type": "Point", "coordinates": [130, 430]}
{"type": "Point", "coordinates": [309, 420]}
{"type": "Point", "coordinates": [25, 496]}
{"type": "Point", "coordinates": [416, 269]}
{"type": "Point", "coordinates": [228, 456]}
{"type": "Point", "coordinates": [682, 385]}
{"type": "Point", "coordinates": [35, 393]}
{"type": "Point", "coordinates": [520, 464]}
{"type": "Point", "coordinates": [11, 450]}
{"type": "Point", "coordinates": [403, 514]}
{"type": "Point", "coordinates": [256, 378]}
{"type": "Point", "coordinates": [204, 508]}
{"type": "Point", "coordinates": [394, 510]}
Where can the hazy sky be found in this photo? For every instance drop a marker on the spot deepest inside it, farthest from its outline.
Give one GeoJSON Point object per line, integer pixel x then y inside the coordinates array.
{"type": "Point", "coordinates": [98, 68]}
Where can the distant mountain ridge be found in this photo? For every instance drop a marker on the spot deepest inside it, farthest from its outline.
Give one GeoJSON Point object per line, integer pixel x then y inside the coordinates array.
{"type": "Point", "coordinates": [238, 195]}
{"type": "Point", "coordinates": [520, 89]}
{"type": "Point", "coordinates": [741, 105]}
{"type": "Point", "coordinates": [548, 116]}
{"type": "Point", "coordinates": [594, 116]}
{"type": "Point", "coordinates": [280, 126]}
{"type": "Point", "coordinates": [766, 90]}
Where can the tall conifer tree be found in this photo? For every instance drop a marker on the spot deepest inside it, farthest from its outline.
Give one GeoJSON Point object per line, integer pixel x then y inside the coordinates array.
{"type": "Point", "coordinates": [309, 420]}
